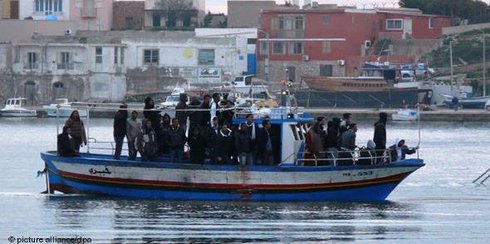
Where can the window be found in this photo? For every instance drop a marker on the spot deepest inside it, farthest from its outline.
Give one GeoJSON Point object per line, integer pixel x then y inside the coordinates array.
{"type": "Point", "coordinates": [122, 56]}
{"type": "Point", "coordinates": [65, 61]}
{"type": "Point", "coordinates": [32, 60]}
{"type": "Point", "coordinates": [98, 55]}
{"type": "Point", "coordinates": [264, 47]}
{"type": "Point", "coordinates": [291, 23]}
{"type": "Point", "coordinates": [394, 24]}
{"type": "Point", "coordinates": [326, 19]}
{"type": "Point", "coordinates": [129, 23]}
{"type": "Point", "coordinates": [326, 47]}
{"type": "Point", "coordinates": [291, 71]}
{"type": "Point", "coordinates": [206, 57]}
{"type": "Point", "coordinates": [326, 70]}
{"type": "Point", "coordinates": [431, 23]}
{"type": "Point", "coordinates": [150, 57]}
{"type": "Point", "coordinates": [278, 47]}
{"type": "Point", "coordinates": [296, 48]}
{"type": "Point", "coordinates": [116, 55]}
{"type": "Point", "coordinates": [47, 7]}
{"type": "Point", "coordinates": [252, 41]}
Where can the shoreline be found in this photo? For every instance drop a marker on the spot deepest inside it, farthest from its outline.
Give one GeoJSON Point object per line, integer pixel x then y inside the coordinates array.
{"type": "Point", "coordinates": [441, 114]}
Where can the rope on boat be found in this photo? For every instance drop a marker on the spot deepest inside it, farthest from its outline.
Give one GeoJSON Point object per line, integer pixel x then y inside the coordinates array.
{"type": "Point", "coordinates": [485, 179]}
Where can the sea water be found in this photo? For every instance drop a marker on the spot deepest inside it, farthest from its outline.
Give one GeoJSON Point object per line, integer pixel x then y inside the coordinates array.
{"type": "Point", "coordinates": [436, 204]}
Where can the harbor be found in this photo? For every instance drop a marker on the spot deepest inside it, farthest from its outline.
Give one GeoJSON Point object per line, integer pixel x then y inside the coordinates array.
{"type": "Point", "coordinates": [439, 115]}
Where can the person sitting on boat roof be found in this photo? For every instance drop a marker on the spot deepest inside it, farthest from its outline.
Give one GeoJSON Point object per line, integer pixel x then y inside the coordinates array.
{"type": "Point", "coordinates": [176, 140]}
{"type": "Point", "coordinates": [147, 142]}
{"type": "Point", "coordinates": [64, 145]}
{"type": "Point", "coordinates": [76, 131]}
{"type": "Point", "coordinates": [225, 146]}
{"type": "Point", "coordinates": [399, 150]}
{"type": "Point", "coordinates": [133, 130]}
{"type": "Point", "coordinates": [197, 145]}
{"type": "Point", "coordinates": [348, 141]}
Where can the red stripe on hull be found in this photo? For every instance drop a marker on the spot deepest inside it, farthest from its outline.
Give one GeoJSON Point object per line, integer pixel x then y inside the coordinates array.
{"type": "Point", "coordinates": [271, 187]}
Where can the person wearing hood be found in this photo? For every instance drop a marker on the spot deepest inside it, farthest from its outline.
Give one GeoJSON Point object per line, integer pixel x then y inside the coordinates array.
{"type": "Point", "coordinates": [380, 134]}
{"type": "Point", "coordinates": [76, 131]}
{"type": "Point", "coordinates": [153, 114]}
{"type": "Point", "coordinates": [147, 143]}
{"type": "Point", "coordinates": [120, 129]}
{"type": "Point", "coordinates": [399, 150]}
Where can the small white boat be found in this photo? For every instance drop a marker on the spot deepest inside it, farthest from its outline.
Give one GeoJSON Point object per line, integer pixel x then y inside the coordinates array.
{"type": "Point", "coordinates": [405, 115]}
{"type": "Point", "coordinates": [13, 108]}
{"type": "Point", "coordinates": [62, 108]}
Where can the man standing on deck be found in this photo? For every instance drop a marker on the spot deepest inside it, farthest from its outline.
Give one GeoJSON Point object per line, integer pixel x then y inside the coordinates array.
{"type": "Point", "coordinates": [133, 129]}
{"type": "Point", "coordinates": [380, 134]}
{"type": "Point", "coordinates": [120, 129]}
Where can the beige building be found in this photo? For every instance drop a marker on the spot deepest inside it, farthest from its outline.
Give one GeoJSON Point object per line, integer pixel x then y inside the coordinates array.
{"type": "Point", "coordinates": [246, 13]}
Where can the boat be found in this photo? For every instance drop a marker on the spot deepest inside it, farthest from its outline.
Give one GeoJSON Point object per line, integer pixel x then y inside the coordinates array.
{"type": "Point", "coordinates": [245, 84]}
{"type": "Point", "coordinates": [62, 108]}
{"type": "Point", "coordinates": [296, 175]}
{"type": "Point", "coordinates": [405, 115]}
{"type": "Point", "coordinates": [467, 102]}
{"type": "Point", "coordinates": [343, 84]}
{"type": "Point", "coordinates": [13, 108]}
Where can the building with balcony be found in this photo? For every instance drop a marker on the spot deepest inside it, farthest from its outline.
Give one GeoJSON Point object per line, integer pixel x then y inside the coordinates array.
{"type": "Point", "coordinates": [328, 40]}
{"type": "Point", "coordinates": [109, 66]}
{"type": "Point", "coordinates": [128, 15]}
{"type": "Point", "coordinates": [89, 14]}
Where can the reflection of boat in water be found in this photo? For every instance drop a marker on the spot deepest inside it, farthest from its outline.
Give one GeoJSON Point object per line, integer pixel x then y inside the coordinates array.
{"type": "Point", "coordinates": [13, 108]}
{"type": "Point", "coordinates": [405, 115]}
{"type": "Point", "coordinates": [295, 175]}
{"type": "Point", "coordinates": [62, 108]}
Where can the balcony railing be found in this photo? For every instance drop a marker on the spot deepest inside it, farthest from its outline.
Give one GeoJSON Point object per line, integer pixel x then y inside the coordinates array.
{"type": "Point", "coordinates": [66, 66]}
{"type": "Point", "coordinates": [31, 66]}
{"type": "Point", "coordinates": [89, 12]}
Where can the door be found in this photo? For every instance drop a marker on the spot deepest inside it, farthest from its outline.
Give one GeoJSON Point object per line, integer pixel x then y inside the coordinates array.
{"type": "Point", "coordinates": [30, 91]}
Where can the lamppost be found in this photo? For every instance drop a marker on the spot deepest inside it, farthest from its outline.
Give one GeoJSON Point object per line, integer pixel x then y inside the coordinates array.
{"type": "Point", "coordinates": [266, 61]}
{"type": "Point", "coordinates": [484, 72]}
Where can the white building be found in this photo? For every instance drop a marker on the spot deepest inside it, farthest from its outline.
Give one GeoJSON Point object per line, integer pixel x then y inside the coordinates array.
{"type": "Point", "coordinates": [45, 9]}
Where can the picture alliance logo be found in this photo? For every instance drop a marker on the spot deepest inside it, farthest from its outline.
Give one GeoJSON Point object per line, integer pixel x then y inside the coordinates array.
{"type": "Point", "coordinates": [51, 239]}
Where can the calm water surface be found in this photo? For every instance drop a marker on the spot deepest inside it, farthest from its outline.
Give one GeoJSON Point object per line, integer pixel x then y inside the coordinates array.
{"type": "Point", "coordinates": [437, 204]}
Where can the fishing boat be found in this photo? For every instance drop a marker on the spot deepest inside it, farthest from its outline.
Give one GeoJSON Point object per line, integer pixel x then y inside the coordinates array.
{"type": "Point", "coordinates": [13, 108]}
{"type": "Point", "coordinates": [62, 108]}
{"type": "Point", "coordinates": [296, 175]}
{"type": "Point", "coordinates": [405, 115]}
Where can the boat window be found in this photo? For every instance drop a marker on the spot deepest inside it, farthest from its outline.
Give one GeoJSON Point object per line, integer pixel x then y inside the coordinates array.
{"type": "Point", "coordinates": [294, 129]}
{"type": "Point", "coordinates": [248, 80]}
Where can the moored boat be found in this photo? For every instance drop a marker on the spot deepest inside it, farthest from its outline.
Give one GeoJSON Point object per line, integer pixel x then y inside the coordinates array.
{"type": "Point", "coordinates": [295, 175]}
{"type": "Point", "coordinates": [405, 115]}
{"type": "Point", "coordinates": [62, 108]}
{"type": "Point", "coordinates": [13, 108]}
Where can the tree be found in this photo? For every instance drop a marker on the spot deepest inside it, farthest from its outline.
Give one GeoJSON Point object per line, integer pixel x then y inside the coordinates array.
{"type": "Point", "coordinates": [177, 10]}
{"type": "Point", "coordinates": [207, 19]}
{"type": "Point", "coordinates": [473, 11]}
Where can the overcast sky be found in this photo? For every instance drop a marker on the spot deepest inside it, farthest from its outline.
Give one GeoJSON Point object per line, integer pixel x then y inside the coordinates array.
{"type": "Point", "coordinates": [219, 6]}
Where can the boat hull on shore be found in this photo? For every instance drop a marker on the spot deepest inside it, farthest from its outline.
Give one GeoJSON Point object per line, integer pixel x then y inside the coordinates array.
{"type": "Point", "coordinates": [102, 175]}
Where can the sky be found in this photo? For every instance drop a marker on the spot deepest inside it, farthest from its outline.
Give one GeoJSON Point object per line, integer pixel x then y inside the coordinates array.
{"type": "Point", "coordinates": [219, 6]}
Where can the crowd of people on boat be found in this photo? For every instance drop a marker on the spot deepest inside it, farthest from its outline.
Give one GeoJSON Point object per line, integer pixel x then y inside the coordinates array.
{"type": "Point", "coordinates": [336, 139]}
{"type": "Point", "coordinates": [213, 138]}
{"type": "Point", "coordinates": [211, 135]}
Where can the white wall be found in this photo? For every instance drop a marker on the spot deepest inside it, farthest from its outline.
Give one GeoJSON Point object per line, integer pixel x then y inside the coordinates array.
{"type": "Point", "coordinates": [27, 8]}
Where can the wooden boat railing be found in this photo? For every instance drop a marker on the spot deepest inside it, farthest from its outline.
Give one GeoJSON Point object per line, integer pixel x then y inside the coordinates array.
{"type": "Point", "coordinates": [345, 157]}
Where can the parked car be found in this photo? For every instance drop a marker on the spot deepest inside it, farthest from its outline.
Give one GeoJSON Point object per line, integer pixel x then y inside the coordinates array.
{"type": "Point", "coordinates": [487, 105]}
{"type": "Point", "coordinates": [421, 70]}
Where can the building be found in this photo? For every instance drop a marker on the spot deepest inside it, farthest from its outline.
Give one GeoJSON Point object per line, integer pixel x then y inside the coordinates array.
{"type": "Point", "coordinates": [246, 13]}
{"type": "Point", "coordinates": [128, 15]}
{"type": "Point", "coordinates": [174, 14]}
{"type": "Point", "coordinates": [336, 41]}
{"type": "Point", "coordinates": [110, 66]}
{"type": "Point", "coordinates": [89, 14]}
